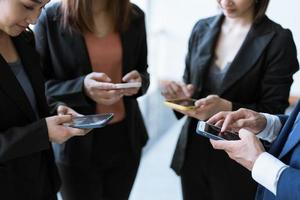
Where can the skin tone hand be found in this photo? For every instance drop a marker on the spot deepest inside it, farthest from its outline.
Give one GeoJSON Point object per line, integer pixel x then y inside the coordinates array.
{"type": "Point", "coordinates": [206, 107]}
{"type": "Point", "coordinates": [242, 118]}
{"type": "Point", "coordinates": [131, 77]}
{"type": "Point", "coordinates": [65, 110]}
{"type": "Point", "coordinates": [58, 132]}
{"type": "Point", "coordinates": [99, 88]}
{"type": "Point", "coordinates": [244, 151]}
{"type": "Point", "coordinates": [175, 90]}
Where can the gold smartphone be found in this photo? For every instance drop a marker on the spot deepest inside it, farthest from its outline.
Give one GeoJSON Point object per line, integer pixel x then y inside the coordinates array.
{"type": "Point", "coordinates": [181, 104]}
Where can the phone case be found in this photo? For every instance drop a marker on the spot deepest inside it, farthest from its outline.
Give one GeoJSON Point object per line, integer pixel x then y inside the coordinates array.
{"type": "Point", "coordinates": [177, 106]}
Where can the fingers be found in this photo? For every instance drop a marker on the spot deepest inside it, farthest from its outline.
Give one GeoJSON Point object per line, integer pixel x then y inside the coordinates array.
{"type": "Point", "coordinates": [217, 117]}
{"type": "Point", "coordinates": [101, 77]}
{"type": "Point", "coordinates": [133, 75]}
{"type": "Point", "coordinates": [62, 119]}
{"type": "Point", "coordinates": [221, 145]}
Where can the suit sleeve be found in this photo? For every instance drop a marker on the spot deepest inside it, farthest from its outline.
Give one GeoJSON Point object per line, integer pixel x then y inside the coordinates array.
{"type": "Point", "coordinates": [142, 64]}
{"type": "Point", "coordinates": [288, 187]}
{"type": "Point", "coordinates": [70, 91]}
{"type": "Point", "coordinates": [281, 64]}
{"type": "Point", "coordinates": [22, 141]}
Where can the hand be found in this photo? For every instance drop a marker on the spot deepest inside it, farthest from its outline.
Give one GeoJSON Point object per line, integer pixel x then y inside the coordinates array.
{"type": "Point", "coordinates": [242, 118]}
{"type": "Point", "coordinates": [244, 151]}
{"type": "Point", "coordinates": [59, 133]}
{"type": "Point", "coordinates": [207, 107]}
{"type": "Point", "coordinates": [133, 76]}
{"type": "Point", "coordinates": [99, 88]}
{"type": "Point", "coordinates": [175, 90]}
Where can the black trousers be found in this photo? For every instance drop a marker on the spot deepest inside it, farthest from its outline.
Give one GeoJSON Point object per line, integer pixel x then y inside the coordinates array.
{"type": "Point", "coordinates": [209, 174]}
{"type": "Point", "coordinates": [112, 173]}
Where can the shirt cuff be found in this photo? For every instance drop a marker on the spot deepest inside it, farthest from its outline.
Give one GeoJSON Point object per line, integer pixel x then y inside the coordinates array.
{"type": "Point", "coordinates": [267, 170]}
{"type": "Point", "coordinates": [272, 128]}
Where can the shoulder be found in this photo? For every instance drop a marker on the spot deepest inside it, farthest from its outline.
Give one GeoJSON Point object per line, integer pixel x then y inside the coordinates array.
{"type": "Point", "coordinates": [52, 12]}
{"type": "Point", "coordinates": [204, 24]}
{"type": "Point", "coordinates": [268, 25]}
{"type": "Point", "coordinates": [137, 16]}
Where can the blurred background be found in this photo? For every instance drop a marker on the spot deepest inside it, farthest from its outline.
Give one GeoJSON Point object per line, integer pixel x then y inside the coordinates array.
{"type": "Point", "coordinates": [169, 23]}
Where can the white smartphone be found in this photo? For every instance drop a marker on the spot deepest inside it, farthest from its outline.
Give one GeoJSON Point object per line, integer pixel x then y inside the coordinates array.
{"type": "Point", "coordinates": [128, 85]}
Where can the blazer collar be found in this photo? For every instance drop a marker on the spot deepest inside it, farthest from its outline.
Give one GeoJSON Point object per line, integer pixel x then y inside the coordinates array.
{"type": "Point", "coordinates": [11, 86]}
{"type": "Point", "coordinates": [257, 39]}
{"type": "Point", "coordinates": [283, 144]}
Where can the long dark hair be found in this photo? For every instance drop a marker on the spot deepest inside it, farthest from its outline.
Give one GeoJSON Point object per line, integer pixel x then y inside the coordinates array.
{"type": "Point", "coordinates": [77, 14]}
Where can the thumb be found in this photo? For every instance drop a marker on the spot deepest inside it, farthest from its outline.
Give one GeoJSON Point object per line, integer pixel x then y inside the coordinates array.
{"type": "Point", "coordinates": [61, 119]}
{"type": "Point", "coordinates": [62, 110]}
{"type": "Point", "coordinates": [101, 77]}
{"type": "Point", "coordinates": [243, 134]}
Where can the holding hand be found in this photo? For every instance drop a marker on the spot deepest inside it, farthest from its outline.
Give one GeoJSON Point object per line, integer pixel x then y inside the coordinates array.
{"type": "Point", "coordinates": [175, 90]}
{"type": "Point", "coordinates": [99, 88]}
{"type": "Point", "coordinates": [244, 151]}
{"type": "Point", "coordinates": [58, 132]}
{"type": "Point", "coordinates": [207, 107]}
{"type": "Point", "coordinates": [242, 118]}
{"type": "Point", "coordinates": [131, 77]}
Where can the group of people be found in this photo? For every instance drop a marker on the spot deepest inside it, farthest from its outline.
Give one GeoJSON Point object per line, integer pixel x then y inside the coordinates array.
{"type": "Point", "coordinates": [239, 66]}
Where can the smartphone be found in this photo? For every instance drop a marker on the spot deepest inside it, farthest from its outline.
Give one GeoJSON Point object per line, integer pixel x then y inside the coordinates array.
{"type": "Point", "coordinates": [91, 121]}
{"type": "Point", "coordinates": [181, 104]}
{"type": "Point", "coordinates": [214, 132]}
{"type": "Point", "coordinates": [128, 85]}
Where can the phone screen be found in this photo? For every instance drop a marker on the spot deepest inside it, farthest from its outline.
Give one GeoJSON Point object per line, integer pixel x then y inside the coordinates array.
{"type": "Point", "coordinates": [214, 132]}
{"type": "Point", "coordinates": [184, 102]}
{"type": "Point", "coordinates": [91, 121]}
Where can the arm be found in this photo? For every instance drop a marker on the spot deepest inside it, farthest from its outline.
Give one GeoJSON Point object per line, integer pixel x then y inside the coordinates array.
{"type": "Point", "coordinates": [142, 62]}
{"type": "Point", "coordinates": [288, 187]}
{"type": "Point", "coordinates": [281, 64]}
{"type": "Point", "coordinates": [22, 141]}
{"type": "Point", "coordinates": [69, 91]}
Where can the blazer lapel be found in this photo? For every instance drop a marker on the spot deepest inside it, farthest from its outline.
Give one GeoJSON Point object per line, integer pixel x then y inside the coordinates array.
{"type": "Point", "coordinates": [205, 52]}
{"type": "Point", "coordinates": [33, 70]}
{"type": "Point", "coordinates": [278, 148]}
{"type": "Point", "coordinates": [255, 43]}
{"type": "Point", "coordinates": [11, 86]}
{"type": "Point", "coordinates": [293, 137]}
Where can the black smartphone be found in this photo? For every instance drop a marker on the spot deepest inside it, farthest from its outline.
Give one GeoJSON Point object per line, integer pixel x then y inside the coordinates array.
{"type": "Point", "coordinates": [91, 121]}
{"type": "Point", "coordinates": [214, 132]}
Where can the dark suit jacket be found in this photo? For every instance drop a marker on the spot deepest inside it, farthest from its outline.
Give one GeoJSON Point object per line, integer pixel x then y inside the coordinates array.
{"type": "Point", "coordinates": [259, 77]}
{"type": "Point", "coordinates": [288, 151]}
{"type": "Point", "coordinates": [26, 159]}
{"type": "Point", "coordinates": [66, 63]}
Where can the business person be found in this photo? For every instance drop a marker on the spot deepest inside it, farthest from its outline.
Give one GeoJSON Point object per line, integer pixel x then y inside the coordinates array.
{"type": "Point", "coordinates": [86, 46]}
{"type": "Point", "coordinates": [237, 59]}
{"type": "Point", "coordinates": [278, 171]}
{"type": "Point", "coordinates": [27, 167]}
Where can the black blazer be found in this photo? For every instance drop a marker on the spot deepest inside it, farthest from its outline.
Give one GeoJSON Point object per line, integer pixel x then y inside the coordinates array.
{"type": "Point", "coordinates": [26, 159]}
{"type": "Point", "coordinates": [259, 77]}
{"type": "Point", "coordinates": [66, 63]}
